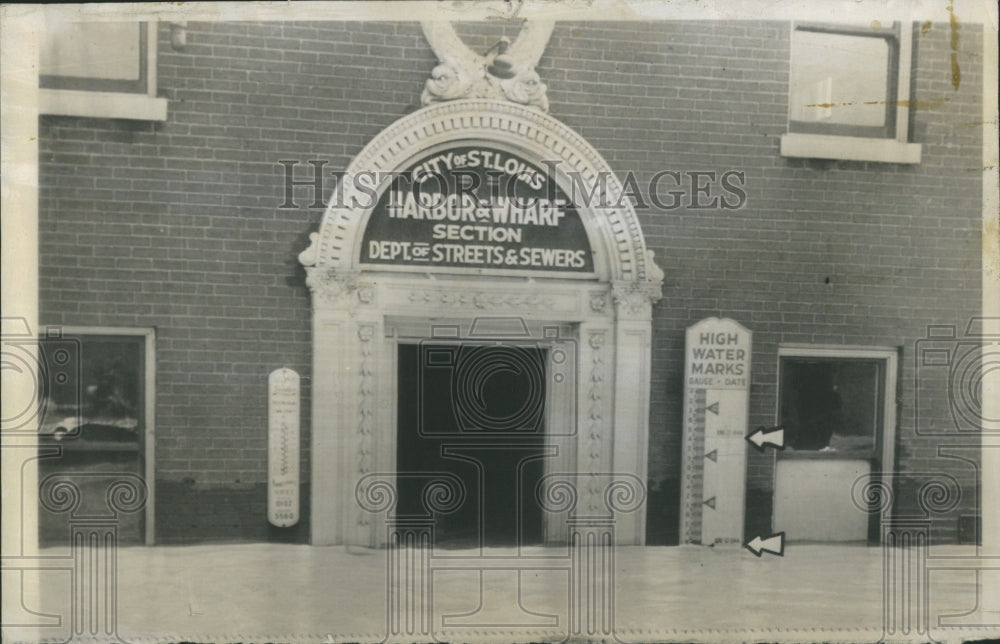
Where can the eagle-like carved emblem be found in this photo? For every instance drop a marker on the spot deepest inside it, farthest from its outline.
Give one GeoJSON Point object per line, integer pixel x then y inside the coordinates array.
{"type": "Point", "coordinates": [506, 71]}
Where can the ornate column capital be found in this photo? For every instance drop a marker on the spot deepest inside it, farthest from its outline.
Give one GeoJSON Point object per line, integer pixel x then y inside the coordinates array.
{"type": "Point", "coordinates": [332, 285]}
{"type": "Point", "coordinates": [338, 287]}
{"type": "Point", "coordinates": [635, 299]}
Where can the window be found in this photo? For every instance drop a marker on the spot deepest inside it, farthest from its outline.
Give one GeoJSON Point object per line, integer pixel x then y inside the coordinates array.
{"type": "Point", "coordinates": [834, 402]}
{"type": "Point", "coordinates": [849, 91]}
{"type": "Point", "coordinates": [100, 69]}
{"type": "Point", "coordinates": [831, 405]}
{"type": "Point", "coordinates": [837, 406]}
{"type": "Point", "coordinates": [97, 420]}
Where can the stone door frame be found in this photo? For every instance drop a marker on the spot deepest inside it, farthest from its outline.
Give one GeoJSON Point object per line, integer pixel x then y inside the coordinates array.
{"type": "Point", "coordinates": [358, 311]}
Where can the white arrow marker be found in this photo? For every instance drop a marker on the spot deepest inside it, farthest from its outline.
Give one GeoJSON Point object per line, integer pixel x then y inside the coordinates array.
{"type": "Point", "coordinates": [774, 436]}
{"type": "Point", "coordinates": [775, 544]}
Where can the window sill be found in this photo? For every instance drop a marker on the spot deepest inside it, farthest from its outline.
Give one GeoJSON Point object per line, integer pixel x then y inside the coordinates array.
{"type": "Point", "coordinates": [102, 105]}
{"type": "Point", "coordinates": [790, 454]}
{"type": "Point", "coordinates": [849, 148]}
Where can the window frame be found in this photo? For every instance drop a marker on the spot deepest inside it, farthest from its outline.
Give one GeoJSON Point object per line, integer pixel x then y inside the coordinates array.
{"type": "Point", "coordinates": [109, 98]}
{"type": "Point", "coordinates": [96, 84]}
{"type": "Point", "coordinates": [871, 453]}
{"type": "Point", "coordinates": [886, 444]}
{"type": "Point", "coordinates": [148, 336]}
{"type": "Point", "coordinates": [856, 143]}
{"type": "Point", "coordinates": [888, 358]}
{"type": "Point", "coordinates": [888, 129]}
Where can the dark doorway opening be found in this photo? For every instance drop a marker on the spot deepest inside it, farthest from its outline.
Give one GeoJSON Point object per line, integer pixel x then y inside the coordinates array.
{"type": "Point", "coordinates": [473, 412]}
{"type": "Point", "coordinates": [832, 409]}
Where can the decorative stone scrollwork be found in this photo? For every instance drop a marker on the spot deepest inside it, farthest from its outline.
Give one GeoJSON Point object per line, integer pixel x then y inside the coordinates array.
{"type": "Point", "coordinates": [339, 288]}
{"type": "Point", "coordinates": [598, 302]}
{"type": "Point", "coordinates": [329, 285]}
{"type": "Point", "coordinates": [310, 256]}
{"type": "Point", "coordinates": [527, 88]}
{"type": "Point", "coordinates": [366, 410]}
{"type": "Point", "coordinates": [485, 300]}
{"type": "Point", "coordinates": [595, 433]}
{"type": "Point", "coordinates": [636, 298]}
{"type": "Point", "coordinates": [366, 394]}
{"type": "Point", "coordinates": [366, 293]}
{"type": "Point", "coordinates": [506, 73]}
{"type": "Point", "coordinates": [654, 274]}
{"type": "Point", "coordinates": [333, 285]}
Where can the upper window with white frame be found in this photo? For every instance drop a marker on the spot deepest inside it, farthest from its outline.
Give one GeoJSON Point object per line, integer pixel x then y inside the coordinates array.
{"type": "Point", "coordinates": [849, 91]}
{"type": "Point", "coordinates": [96, 56]}
{"type": "Point", "coordinates": [100, 69]}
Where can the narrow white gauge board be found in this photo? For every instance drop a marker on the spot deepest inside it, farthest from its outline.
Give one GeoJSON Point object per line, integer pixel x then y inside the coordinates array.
{"type": "Point", "coordinates": [283, 448]}
{"type": "Point", "coordinates": [716, 416]}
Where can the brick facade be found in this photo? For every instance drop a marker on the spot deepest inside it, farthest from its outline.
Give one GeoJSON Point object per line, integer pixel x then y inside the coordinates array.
{"type": "Point", "coordinates": [177, 226]}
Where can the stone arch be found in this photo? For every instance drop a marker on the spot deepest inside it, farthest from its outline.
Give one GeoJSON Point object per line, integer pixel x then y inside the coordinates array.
{"type": "Point", "coordinates": [614, 230]}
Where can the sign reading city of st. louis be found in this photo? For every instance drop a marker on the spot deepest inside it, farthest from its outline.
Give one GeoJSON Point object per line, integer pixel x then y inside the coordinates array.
{"type": "Point", "coordinates": [473, 206]}
{"type": "Point", "coordinates": [716, 415]}
{"type": "Point", "coordinates": [283, 448]}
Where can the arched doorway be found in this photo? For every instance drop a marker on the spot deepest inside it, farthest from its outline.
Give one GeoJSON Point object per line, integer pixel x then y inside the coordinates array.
{"type": "Point", "coordinates": [576, 281]}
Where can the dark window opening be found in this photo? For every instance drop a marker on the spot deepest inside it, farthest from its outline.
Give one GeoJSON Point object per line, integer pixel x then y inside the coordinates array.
{"type": "Point", "coordinates": [832, 406]}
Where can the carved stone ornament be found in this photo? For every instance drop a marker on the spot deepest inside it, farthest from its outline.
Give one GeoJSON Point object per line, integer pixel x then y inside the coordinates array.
{"type": "Point", "coordinates": [507, 73]}
{"type": "Point", "coordinates": [333, 285]}
{"type": "Point", "coordinates": [594, 446]}
{"type": "Point", "coordinates": [310, 256]}
{"type": "Point", "coordinates": [330, 285]}
{"type": "Point", "coordinates": [366, 411]}
{"type": "Point", "coordinates": [488, 300]}
{"type": "Point", "coordinates": [638, 297]}
{"type": "Point", "coordinates": [635, 298]}
{"type": "Point", "coordinates": [598, 302]}
{"type": "Point", "coordinates": [366, 293]}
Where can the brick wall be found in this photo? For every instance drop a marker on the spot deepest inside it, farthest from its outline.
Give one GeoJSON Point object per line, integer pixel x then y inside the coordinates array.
{"type": "Point", "coordinates": [177, 225]}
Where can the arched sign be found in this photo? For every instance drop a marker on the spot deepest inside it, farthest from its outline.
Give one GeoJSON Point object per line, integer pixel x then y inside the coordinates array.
{"type": "Point", "coordinates": [479, 207]}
